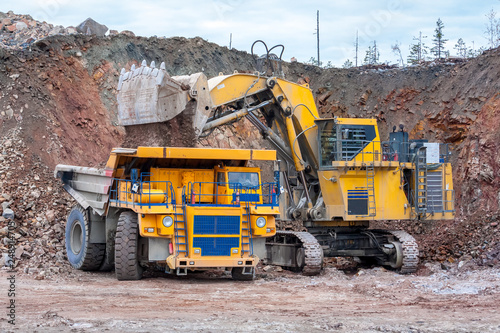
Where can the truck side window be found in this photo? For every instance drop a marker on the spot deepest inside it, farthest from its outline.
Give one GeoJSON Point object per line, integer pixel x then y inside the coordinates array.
{"type": "Point", "coordinates": [221, 178]}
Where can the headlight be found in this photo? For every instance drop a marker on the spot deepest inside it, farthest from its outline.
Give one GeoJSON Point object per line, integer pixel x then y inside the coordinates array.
{"type": "Point", "coordinates": [261, 222]}
{"type": "Point", "coordinates": [167, 221]}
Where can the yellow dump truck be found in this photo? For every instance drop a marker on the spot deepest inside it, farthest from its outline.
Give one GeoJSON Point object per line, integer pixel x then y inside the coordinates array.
{"type": "Point", "coordinates": [180, 209]}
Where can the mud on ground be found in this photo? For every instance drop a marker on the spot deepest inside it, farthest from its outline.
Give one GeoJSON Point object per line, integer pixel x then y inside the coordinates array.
{"type": "Point", "coordinates": [373, 300]}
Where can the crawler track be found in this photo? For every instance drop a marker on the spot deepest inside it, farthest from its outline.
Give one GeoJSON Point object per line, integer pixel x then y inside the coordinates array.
{"type": "Point", "coordinates": [312, 250]}
{"type": "Point", "coordinates": [410, 251]}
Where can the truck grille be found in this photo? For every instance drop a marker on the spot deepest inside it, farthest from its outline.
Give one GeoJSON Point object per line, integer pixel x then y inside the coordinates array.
{"type": "Point", "coordinates": [216, 246]}
{"type": "Point", "coordinates": [216, 225]}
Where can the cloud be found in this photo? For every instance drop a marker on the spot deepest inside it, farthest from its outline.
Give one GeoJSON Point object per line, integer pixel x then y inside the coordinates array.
{"type": "Point", "coordinates": [278, 22]}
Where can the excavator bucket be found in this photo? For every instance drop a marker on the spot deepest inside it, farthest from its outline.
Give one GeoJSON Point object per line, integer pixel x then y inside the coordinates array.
{"type": "Point", "coordinates": [149, 95]}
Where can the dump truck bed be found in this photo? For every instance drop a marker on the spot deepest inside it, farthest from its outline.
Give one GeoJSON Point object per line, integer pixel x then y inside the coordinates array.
{"type": "Point", "coordinates": [90, 187]}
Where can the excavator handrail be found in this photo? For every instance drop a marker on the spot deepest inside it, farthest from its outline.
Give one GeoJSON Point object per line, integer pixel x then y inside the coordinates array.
{"type": "Point", "coordinates": [366, 151]}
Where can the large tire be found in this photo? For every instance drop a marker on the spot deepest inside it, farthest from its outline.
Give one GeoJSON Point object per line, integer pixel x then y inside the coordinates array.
{"type": "Point", "coordinates": [126, 257]}
{"type": "Point", "coordinates": [81, 253]}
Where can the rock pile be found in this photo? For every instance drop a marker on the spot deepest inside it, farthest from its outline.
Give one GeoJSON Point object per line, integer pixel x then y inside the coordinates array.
{"type": "Point", "coordinates": [474, 240]}
{"type": "Point", "coordinates": [29, 191]}
{"type": "Point", "coordinates": [20, 31]}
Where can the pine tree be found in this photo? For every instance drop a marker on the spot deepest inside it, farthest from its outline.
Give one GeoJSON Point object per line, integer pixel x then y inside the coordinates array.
{"type": "Point", "coordinates": [372, 55]}
{"type": "Point", "coordinates": [347, 64]}
{"type": "Point", "coordinates": [461, 48]}
{"type": "Point", "coordinates": [418, 51]}
{"type": "Point", "coordinates": [438, 39]}
{"type": "Point", "coordinates": [328, 65]}
{"type": "Point", "coordinates": [314, 62]}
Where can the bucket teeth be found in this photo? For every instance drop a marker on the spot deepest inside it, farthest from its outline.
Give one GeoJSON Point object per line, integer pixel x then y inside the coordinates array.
{"type": "Point", "coordinates": [147, 94]}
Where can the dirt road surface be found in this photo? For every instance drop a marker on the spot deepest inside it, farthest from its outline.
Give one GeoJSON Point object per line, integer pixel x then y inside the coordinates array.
{"type": "Point", "coordinates": [373, 300]}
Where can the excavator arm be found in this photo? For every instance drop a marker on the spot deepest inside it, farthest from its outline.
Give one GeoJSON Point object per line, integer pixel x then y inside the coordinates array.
{"type": "Point", "coordinates": [149, 95]}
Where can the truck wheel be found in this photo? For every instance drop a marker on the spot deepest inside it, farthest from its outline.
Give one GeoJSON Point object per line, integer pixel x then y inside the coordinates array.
{"type": "Point", "coordinates": [81, 253]}
{"type": "Point", "coordinates": [126, 257]}
{"type": "Point", "coordinates": [237, 274]}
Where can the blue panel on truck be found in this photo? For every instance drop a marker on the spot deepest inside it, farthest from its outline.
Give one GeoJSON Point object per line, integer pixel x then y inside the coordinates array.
{"type": "Point", "coordinates": [216, 225]}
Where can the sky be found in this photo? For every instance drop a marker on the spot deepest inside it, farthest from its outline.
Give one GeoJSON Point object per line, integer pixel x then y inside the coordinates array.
{"type": "Point", "coordinates": [291, 23]}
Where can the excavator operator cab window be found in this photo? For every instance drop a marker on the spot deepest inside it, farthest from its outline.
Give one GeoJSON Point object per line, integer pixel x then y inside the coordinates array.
{"type": "Point", "coordinates": [327, 130]}
{"type": "Point", "coordinates": [341, 142]}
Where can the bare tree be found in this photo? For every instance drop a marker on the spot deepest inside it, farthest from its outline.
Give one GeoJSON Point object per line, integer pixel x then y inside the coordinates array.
{"type": "Point", "coordinates": [492, 31]}
{"type": "Point", "coordinates": [397, 50]}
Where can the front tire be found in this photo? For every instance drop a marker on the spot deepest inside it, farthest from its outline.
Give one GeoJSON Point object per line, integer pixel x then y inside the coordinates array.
{"type": "Point", "coordinates": [126, 248]}
{"type": "Point", "coordinates": [81, 253]}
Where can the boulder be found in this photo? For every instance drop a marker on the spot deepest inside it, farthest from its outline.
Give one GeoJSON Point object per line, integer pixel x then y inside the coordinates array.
{"type": "Point", "coordinates": [8, 213]}
{"type": "Point", "coordinates": [11, 28]}
{"type": "Point", "coordinates": [127, 33]}
{"type": "Point", "coordinates": [21, 26]}
{"type": "Point", "coordinates": [91, 27]}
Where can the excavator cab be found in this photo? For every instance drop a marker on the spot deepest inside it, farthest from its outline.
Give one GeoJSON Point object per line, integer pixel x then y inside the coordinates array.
{"type": "Point", "coordinates": [342, 139]}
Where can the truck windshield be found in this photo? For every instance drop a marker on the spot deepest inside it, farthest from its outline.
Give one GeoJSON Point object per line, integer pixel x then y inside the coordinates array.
{"type": "Point", "coordinates": [243, 179]}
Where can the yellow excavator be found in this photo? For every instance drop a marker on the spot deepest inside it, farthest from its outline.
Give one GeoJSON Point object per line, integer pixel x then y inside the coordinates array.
{"type": "Point", "coordinates": [335, 175]}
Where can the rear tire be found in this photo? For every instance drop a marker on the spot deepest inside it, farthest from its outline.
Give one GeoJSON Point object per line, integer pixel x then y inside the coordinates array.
{"type": "Point", "coordinates": [126, 248]}
{"type": "Point", "coordinates": [81, 253]}
{"type": "Point", "coordinates": [237, 274]}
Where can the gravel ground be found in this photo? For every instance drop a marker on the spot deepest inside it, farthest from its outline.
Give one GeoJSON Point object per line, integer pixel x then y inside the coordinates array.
{"type": "Point", "coordinates": [372, 300]}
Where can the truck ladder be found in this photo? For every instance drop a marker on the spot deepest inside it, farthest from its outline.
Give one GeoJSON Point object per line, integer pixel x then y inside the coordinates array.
{"type": "Point", "coordinates": [421, 182]}
{"type": "Point", "coordinates": [370, 188]}
{"type": "Point", "coordinates": [246, 232]}
{"type": "Point", "coordinates": [180, 232]}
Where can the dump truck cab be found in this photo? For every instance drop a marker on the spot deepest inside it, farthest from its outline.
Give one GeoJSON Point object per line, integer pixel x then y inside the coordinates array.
{"type": "Point", "coordinates": [186, 209]}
